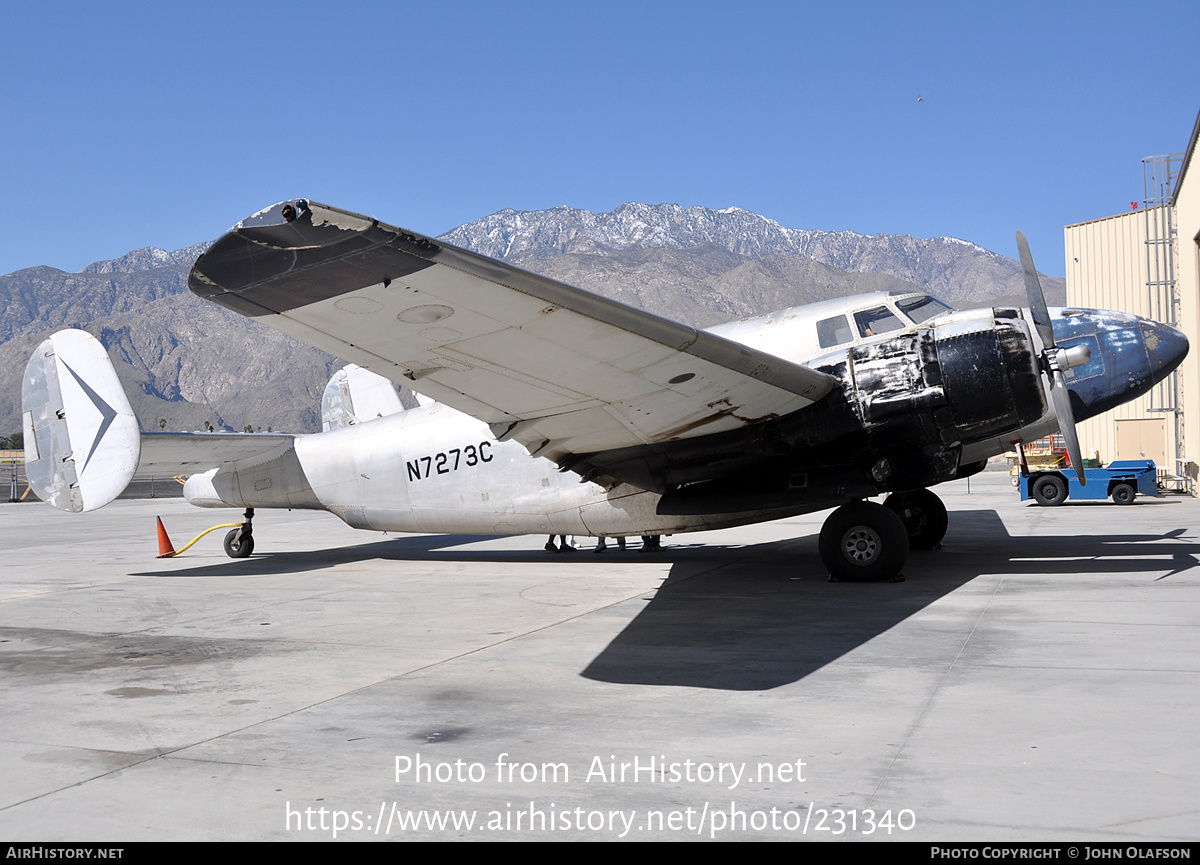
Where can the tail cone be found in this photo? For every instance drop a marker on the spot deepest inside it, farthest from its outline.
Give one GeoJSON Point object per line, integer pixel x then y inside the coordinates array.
{"type": "Point", "coordinates": [165, 550]}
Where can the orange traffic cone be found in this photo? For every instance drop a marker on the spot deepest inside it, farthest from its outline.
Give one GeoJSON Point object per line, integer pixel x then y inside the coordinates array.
{"type": "Point", "coordinates": [165, 550]}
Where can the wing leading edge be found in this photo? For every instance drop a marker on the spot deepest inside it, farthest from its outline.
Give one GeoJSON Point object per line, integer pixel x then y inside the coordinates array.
{"type": "Point", "coordinates": [561, 370]}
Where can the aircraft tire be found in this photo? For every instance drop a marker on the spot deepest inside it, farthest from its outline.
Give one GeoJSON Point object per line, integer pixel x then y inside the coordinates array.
{"type": "Point", "coordinates": [923, 515]}
{"type": "Point", "coordinates": [239, 549]}
{"type": "Point", "coordinates": [863, 542]}
{"type": "Point", "coordinates": [1050, 491]}
{"type": "Point", "coordinates": [1124, 494]}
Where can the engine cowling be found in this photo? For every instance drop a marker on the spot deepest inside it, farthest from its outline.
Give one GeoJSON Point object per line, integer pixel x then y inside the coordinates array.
{"type": "Point", "coordinates": [925, 395]}
{"type": "Point", "coordinates": [988, 367]}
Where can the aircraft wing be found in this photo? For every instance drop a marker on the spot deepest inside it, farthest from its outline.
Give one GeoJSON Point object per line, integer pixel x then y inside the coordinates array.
{"type": "Point", "coordinates": [562, 370]}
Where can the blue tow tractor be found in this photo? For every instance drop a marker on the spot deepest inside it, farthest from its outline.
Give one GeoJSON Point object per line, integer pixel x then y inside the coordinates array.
{"type": "Point", "coordinates": [1121, 481]}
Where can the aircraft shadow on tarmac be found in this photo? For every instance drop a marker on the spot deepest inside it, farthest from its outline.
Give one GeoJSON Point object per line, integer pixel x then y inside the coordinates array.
{"type": "Point", "coordinates": [773, 621]}
{"type": "Point", "coordinates": [762, 616]}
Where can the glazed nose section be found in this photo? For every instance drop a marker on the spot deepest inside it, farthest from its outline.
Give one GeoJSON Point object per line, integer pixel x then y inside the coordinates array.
{"type": "Point", "coordinates": [1126, 357]}
{"type": "Point", "coordinates": [1166, 347]}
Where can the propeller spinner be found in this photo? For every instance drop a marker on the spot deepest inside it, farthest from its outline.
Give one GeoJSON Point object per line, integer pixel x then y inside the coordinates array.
{"type": "Point", "coordinates": [1053, 360]}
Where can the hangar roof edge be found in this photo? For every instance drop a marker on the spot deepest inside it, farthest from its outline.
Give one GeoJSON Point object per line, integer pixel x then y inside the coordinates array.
{"type": "Point", "coordinates": [1103, 218]}
{"type": "Point", "coordinates": [1187, 158]}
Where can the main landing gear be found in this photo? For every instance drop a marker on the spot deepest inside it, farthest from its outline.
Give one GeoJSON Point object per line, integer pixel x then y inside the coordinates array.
{"type": "Point", "coordinates": [923, 515]}
{"type": "Point", "coordinates": [239, 542]}
{"type": "Point", "coordinates": [864, 541]}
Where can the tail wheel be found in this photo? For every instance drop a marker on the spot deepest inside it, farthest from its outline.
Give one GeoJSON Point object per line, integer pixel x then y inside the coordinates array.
{"type": "Point", "coordinates": [923, 515]}
{"type": "Point", "coordinates": [239, 547]}
{"type": "Point", "coordinates": [863, 541]}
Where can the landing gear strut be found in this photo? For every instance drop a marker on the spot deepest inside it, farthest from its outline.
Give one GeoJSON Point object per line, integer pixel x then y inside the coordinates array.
{"type": "Point", "coordinates": [863, 541]}
{"type": "Point", "coordinates": [923, 515]}
{"type": "Point", "coordinates": [239, 543]}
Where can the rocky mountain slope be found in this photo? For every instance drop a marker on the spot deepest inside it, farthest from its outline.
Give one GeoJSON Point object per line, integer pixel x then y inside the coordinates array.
{"type": "Point", "coordinates": [186, 361]}
{"type": "Point", "coordinates": [952, 269]}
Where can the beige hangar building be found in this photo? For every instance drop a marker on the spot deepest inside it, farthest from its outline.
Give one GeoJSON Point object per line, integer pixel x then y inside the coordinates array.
{"type": "Point", "coordinates": [1147, 262]}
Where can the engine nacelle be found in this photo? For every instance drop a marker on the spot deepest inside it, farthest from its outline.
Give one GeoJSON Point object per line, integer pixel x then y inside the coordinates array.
{"type": "Point", "coordinates": [989, 373]}
{"type": "Point", "coordinates": [926, 396]}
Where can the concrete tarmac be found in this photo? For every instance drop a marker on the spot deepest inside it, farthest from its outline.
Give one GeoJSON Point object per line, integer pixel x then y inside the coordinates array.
{"type": "Point", "coordinates": [1035, 679]}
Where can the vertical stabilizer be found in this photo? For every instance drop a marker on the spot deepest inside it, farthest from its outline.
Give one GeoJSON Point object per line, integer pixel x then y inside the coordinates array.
{"type": "Point", "coordinates": [355, 395]}
{"type": "Point", "coordinates": [82, 441]}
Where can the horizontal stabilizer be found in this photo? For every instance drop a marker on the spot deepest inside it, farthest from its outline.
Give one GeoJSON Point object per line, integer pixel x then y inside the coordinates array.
{"type": "Point", "coordinates": [191, 453]}
{"type": "Point", "coordinates": [81, 438]}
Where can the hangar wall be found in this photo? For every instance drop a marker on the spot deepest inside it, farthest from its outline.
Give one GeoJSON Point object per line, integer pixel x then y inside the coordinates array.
{"type": "Point", "coordinates": [1186, 201]}
{"type": "Point", "coordinates": [1106, 263]}
{"type": "Point", "coordinates": [1106, 269]}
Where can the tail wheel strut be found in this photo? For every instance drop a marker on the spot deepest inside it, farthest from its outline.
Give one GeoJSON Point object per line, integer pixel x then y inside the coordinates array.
{"type": "Point", "coordinates": [239, 542]}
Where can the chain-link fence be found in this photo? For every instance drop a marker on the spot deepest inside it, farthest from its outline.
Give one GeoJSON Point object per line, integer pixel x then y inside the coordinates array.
{"type": "Point", "coordinates": [12, 475]}
{"type": "Point", "coordinates": [16, 485]}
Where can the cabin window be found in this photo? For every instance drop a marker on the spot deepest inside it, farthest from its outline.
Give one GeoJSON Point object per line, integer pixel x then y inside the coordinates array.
{"type": "Point", "coordinates": [833, 331]}
{"type": "Point", "coordinates": [872, 322]}
{"type": "Point", "coordinates": [921, 309]}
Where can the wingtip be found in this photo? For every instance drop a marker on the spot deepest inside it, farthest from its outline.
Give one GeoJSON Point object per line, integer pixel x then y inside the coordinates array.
{"type": "Point", "coordinates": [277, 214]}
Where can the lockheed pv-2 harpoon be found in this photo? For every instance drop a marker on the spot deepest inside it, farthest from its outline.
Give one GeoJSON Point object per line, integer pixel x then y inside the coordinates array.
{"type": "Point", "coordinates": [549, 409]}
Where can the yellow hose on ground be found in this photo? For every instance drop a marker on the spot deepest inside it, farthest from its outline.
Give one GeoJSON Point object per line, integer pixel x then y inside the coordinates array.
{"type": "Point", "coordinates": [198, 537]}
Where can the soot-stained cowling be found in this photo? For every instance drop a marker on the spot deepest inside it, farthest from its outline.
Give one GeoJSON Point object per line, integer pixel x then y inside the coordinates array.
{"type": "Point", "coordinates": [991, 381]}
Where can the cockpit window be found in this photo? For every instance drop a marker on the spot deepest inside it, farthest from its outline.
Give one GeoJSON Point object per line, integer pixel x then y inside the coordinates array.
{"type": "Point", "coordinates": [833, 331]}
{"type": "Point", "coordinates": [872, 322]}
{"type": "Point", "coordinates": [921, 309]}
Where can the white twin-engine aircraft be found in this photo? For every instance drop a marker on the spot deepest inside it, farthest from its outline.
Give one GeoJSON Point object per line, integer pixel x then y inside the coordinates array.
{"type": "Point", "coordinates": [549, 409]}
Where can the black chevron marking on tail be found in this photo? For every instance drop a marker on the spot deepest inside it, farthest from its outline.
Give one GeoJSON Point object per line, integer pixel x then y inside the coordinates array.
{"type": "Point", "coordinates": [107, 411]}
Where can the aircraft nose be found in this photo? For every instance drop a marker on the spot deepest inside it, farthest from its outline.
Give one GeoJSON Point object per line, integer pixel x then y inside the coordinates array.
{"type": "Point", "coordinates": [1128, 356]}
{"type": "Point", "coordinates": [1166, 347]}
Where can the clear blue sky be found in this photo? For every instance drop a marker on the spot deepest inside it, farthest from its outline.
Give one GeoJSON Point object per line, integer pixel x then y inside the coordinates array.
{"type": "Point", "coordinates": [126, 125]}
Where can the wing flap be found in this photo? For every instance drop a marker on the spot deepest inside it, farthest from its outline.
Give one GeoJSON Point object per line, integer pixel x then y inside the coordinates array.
{"type": "Point", "coordinates": [562, 370]}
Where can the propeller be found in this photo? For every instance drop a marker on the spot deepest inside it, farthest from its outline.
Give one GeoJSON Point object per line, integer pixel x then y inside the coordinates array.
{"type": "Point", "coordinates": [1053, 361]}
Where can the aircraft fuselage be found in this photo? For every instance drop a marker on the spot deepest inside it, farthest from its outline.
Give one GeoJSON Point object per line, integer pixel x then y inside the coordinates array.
{"type": "Point", "coordinates": [918, 406]}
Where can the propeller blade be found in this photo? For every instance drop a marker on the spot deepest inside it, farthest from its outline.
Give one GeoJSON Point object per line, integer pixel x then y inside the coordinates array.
{"type": "Point", "coordinates": [1033, 290]}
{"type": "Point", "coordinates": [1059, 398]}
{"type": "Point", "coordinates": [1066, 423]}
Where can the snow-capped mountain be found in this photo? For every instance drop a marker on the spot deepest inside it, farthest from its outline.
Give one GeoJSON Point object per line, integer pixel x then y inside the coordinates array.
{"type": "Point", "coordinates": [946, 266]}
{"type": "Point", "coordinates": [187, 361]}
